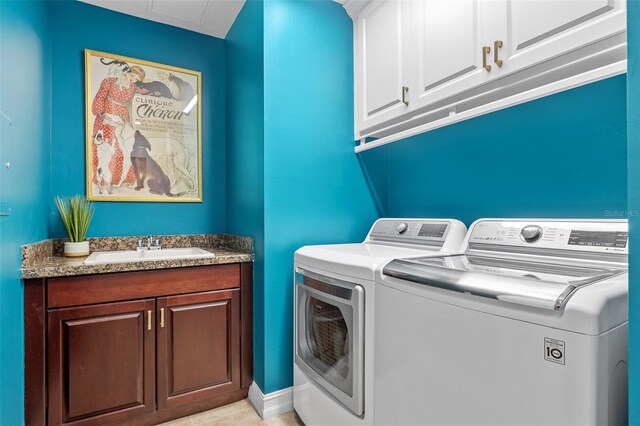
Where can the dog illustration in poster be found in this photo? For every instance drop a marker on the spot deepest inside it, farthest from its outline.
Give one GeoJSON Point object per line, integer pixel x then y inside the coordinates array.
{"type": "Point", "coordinates": [132, 103]}
{"type": "Point", "coordinates": [105, 152]}
{"type": "Point", "coordinates": [145, 167]}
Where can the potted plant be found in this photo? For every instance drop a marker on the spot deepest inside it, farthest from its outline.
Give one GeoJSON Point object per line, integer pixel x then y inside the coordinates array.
{"type": "Point", "coordinates": [76, 214]}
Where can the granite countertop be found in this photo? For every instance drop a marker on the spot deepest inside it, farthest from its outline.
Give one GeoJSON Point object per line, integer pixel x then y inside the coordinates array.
{"type": "Point", "coordinates": [44, 259]}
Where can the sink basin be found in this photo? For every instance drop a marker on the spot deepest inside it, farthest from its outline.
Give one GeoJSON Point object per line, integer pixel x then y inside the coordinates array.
{"type": "Point", "coordinates": [100, 257]}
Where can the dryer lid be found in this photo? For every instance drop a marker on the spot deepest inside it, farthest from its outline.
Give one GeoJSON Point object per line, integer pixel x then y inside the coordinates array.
{"type": "Point", "coordinates": [525, 282]}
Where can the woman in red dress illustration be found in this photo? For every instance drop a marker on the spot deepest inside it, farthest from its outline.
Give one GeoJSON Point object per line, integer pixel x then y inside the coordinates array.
{"type": "Point", "coordinates": [113, 98]}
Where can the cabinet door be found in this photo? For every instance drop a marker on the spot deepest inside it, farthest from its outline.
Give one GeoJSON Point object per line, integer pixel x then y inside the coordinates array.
{"type": "Point", "coordinates": [198, 346]}
{"type": "Point", "coordinates": [534, 31]}
{"type": "Point", "coordinates": [381, 62]}
{"type": "Point", "coordinates": [101, 362]}
{"type": "Point", "coordinates": [447, 39]}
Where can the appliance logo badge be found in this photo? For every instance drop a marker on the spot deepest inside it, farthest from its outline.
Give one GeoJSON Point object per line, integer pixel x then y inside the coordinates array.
{"type": "Point", "coordinates": [554, 350]}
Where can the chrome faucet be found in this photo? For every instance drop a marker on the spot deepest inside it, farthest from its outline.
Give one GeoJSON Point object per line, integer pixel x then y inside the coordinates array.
{"type": "Point", "coordinates": [152, 244]}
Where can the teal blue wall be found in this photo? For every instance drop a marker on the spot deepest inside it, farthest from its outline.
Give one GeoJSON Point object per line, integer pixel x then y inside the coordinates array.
{"type": "Point", "coordinates": [292, 178]}
{"type": "Point", "coordinates": [558, 156]}
{"type": "Point", "coordinates": [314, 191]}
{"type": "Point", "coordinates": [633, 159]}
{"type": "Point", "coordinates": [76, 26]}
{"type": "Point", "coordinates": [25, 85]}
{"type": "Point", "coordinates": [245, 150]}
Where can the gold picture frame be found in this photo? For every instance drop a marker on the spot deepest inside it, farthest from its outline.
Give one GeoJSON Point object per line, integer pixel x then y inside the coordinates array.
{"type": "Point", "coordinates": [143, 130]}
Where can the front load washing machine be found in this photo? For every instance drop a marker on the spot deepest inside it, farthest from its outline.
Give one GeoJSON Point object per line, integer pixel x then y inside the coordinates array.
{"type": "Point", "coordinates": [528, 326]}
{"type": "Point", "coordinates": [334, 315]}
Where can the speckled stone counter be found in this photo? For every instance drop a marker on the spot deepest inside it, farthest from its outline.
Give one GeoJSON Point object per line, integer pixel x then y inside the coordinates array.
{"type": "Point", "coordinates": [44, 259]}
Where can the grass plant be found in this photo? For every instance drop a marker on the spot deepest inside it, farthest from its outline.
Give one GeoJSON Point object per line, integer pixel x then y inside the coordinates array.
{"type": "Point", "coordinates": [76, 214]}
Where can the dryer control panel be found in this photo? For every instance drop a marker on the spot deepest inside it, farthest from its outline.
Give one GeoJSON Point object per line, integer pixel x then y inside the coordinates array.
{"type": "Point", "coordinates": [407, 230]}
{"type": "Point", "coordinates": [583, 235]}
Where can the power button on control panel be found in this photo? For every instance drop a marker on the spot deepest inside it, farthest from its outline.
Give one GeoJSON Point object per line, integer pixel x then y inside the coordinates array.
{"type": "Point", "coordinates": [401, 228]}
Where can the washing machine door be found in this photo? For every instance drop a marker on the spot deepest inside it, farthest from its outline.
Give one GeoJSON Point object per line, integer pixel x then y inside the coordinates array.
{"type": "Point", "coordinates": [330, 335]}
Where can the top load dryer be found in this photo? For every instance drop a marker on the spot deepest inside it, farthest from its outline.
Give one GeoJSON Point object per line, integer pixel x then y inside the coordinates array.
{"type": "Point", "coordinates": [334, 315]}
{"type": "Point", "coordinates": [527, 326]}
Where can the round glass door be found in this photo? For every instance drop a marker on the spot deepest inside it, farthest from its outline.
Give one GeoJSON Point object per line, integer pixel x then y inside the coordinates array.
{"type": "Point", "coordinates": [329, 342]}
{"type": "Point", "coordinates": [330, 335]}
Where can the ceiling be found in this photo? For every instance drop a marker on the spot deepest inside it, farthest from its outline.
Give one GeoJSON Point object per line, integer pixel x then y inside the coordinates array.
{"type": "Point", "coordinates": [211, 17]}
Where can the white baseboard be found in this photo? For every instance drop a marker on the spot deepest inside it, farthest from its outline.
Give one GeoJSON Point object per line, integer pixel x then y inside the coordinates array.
{"type": "Point", "coordinates": [272, 404]}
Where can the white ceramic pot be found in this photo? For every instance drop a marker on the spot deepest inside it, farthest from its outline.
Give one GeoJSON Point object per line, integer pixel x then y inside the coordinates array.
{"type": "Point", "coordinates": [76, 249]}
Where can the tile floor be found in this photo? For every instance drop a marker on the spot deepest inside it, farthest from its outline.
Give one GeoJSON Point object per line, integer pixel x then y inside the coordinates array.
{"type": "Point", "coordinates": [239, 413]}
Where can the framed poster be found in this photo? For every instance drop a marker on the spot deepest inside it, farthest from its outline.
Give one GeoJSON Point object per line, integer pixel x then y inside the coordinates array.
{"type": "Point", "coordinates": [143, 126]}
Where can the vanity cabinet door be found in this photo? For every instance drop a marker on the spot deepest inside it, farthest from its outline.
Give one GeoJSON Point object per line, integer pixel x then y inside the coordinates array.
{"type": "Point", "coordinates": [198, 346]}
{"type": "Point", "coordinates": [101, 362]}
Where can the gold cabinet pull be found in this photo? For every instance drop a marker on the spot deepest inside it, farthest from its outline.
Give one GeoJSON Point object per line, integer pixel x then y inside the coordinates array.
{"type": "Point", "coordinates": [485, 51]}
{"type": "Point", "coordinates": [148, 320]}
{"type": "Point", "coordinates": [497, 45]}
{"type": "Point", "coordinates": [405, 95]}
{"type": "Point", "coordinates": [161, 317]}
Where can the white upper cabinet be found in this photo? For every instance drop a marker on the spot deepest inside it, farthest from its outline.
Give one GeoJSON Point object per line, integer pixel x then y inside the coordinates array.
{"type": "Point", "coordinates": [538, 30]}
{"type": "Point", "coordinates": [423, 64]}
{"type": "Point", "coordinates": [448, 37]}
{"type": "Point", "coordinates": [381, 61]}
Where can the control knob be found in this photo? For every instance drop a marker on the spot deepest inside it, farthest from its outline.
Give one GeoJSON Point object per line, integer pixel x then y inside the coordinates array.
{"type": "Point", "coordinates": [401, 228]}
{"type": "Point", "coordinates": [531, 233]}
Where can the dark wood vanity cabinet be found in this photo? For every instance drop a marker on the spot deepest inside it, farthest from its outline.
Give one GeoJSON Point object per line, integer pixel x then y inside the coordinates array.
{"type": "Point", "coordinates": [198, 346]}
{"type": "Point", "coordinates": [137, 347]}
{"type": "Point", "coordinates": [101, 362]}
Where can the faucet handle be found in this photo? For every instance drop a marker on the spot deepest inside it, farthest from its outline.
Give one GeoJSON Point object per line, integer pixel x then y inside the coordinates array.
{"type": "Point", "coordinates": [157, 242]}
{"type": "Point", "coordinates": [139, 243]}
